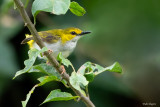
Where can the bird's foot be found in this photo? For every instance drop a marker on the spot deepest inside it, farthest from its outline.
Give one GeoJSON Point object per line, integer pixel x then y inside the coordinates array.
{"type": "Point", "coordinates": [50, 51]}
{"type": "Point", "coordinates": [63, 69]}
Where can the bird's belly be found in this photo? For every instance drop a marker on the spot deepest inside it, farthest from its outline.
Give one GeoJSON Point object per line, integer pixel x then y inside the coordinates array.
{"type": "Point", "coordinates": [66, 48]}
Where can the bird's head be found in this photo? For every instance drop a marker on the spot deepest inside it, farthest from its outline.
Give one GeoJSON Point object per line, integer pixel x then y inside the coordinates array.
{"type": "Point", "coordinates": [72, 34]}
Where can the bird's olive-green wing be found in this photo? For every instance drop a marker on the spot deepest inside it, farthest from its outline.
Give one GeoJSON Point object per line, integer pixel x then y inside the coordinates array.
{"type": "Point", "coordinates": [47, 36]}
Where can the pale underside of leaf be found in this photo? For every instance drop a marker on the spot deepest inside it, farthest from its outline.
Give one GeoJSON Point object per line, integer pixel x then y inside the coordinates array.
{"type": "Point", "coordinates": [76, 80]}
{"type": "Point", "coordinates": [56, 7]}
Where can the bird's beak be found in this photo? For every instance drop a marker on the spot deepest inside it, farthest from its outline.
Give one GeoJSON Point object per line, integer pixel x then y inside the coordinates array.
{"type": "Point", "coordinates": [83, 33]}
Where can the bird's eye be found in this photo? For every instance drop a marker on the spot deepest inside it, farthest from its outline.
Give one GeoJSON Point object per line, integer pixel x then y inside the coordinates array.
{"type": "Point", "coordinates": [73, 33]}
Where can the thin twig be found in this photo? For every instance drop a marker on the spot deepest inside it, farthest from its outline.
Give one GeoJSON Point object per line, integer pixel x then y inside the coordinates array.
{"type": "Point", "coordinates": [51, 59]}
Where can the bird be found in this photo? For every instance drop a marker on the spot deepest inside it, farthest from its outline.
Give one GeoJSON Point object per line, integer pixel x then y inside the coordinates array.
{"type": "Point", "coordinates": [57, 40]}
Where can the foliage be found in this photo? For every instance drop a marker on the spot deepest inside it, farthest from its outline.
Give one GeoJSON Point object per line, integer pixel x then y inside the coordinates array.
{"type": "Point", "coordinates": [78, 80]}
{"type": "Point", "coordinates": [29, 63]}
{"type": "Point", "coordinates": [57, 95]}
{"type": "Point", "coordinates": [57, 7]}
{"type": "Point", "coordinates": [76, 9]}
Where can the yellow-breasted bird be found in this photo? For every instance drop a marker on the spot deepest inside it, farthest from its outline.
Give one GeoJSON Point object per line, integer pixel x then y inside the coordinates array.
{"type": "Point", "coordinates": [57, 40]}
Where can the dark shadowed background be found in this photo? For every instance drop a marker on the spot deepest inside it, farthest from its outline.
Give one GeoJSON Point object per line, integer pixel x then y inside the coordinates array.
{"type": "Point", "coordinates": [127, 31]}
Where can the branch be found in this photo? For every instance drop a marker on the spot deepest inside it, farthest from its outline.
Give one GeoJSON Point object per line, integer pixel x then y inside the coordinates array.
{"type": "Point", "coordinates": [51, 59]}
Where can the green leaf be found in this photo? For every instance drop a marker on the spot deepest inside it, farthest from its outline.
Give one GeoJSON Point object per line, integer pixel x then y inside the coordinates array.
{"type": "Point", "coordinates": [24, 103]}
{"type": "Point", "coordinates": [76, 9]}
{"type": "Point", "coordinates": [63, 60]}
{"type": "Point", "coordinates": [87, 70]}
{"type": "Point", "coordinates": [57, 95]}
{"type": "Point", "coordinates": [89, 76]}
{"type": "Point", "coordinates": [46, 69]}
{"type": "Point", "coordinates": [113, 68]}
{"type": "Point", "coordinates": [56, 7]}
{"type": "Point", "coordinates": [53, 75]}
{"type": "Point", "coordinates": [90, 70]}
{"type": "Point", "coordinates": [87, 67]}
{"type": "Point", "coordinates": [43, 80]}
{"type": "Point", "coordinates": [29, 62]}
{"type": "Point", "coordinates": [76, 80]}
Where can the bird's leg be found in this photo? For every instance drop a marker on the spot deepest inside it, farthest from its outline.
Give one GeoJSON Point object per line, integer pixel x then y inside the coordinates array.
{"type": "Point", "coordinates": [63, 69]}
{"type": "Point", "coordinates": [50, 51]}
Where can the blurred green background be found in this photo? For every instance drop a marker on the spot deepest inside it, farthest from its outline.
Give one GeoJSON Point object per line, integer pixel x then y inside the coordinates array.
{"type": "Point", "coordinates": [127, 31]}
